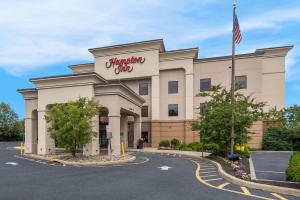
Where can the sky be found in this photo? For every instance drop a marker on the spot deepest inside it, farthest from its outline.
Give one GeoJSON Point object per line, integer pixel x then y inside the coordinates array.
{"type": "Point", "coordinates": [43, 37]}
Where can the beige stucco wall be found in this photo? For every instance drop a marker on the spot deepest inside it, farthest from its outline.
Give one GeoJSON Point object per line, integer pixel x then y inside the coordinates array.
{"type": "Point", "coordinates": [166, 99]}
{"type": "Point", "coordinates": [220, 73]}
{"type": "Point", "coordinates": [134, 85]}
{"type": "Point", "coordinates": [273, 81]}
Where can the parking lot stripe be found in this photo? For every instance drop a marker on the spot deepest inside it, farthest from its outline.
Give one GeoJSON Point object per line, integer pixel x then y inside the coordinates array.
{"type": "Point", "coordinates": [223, 185]}
{"type": "Point", "coordinates": [270, 172]}
{"type": "Point", "coordinates": [207, 168]}
{"type": "Point", "coordinates": [208, 172]}
{"type": "Point", "coordinates": [279, 196]}
{"type": "Point", "coordinates": [213, 179]}
{"type": "Point", "coordinates": [245, 190]}
{"type": "Point", "coordinates": [209, 175]}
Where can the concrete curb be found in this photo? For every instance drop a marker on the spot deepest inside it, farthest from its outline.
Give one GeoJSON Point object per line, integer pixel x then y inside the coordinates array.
{"type": "Point", "coordinates": [87, 164]}
{"type": "Point", "coordinates": [269, 151]}
{"type": "Point", "coordinates": [252, 171]}
{"type": "Point", "coordinates": [269, 188]}
{"type": "Point", "coordinates": [192, 154]}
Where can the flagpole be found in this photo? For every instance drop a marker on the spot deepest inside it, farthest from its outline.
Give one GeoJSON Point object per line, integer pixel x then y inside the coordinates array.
{"type": "Point", "coordinates": [232, 82]}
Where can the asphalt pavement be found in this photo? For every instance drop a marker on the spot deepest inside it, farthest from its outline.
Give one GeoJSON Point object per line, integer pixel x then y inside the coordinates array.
{"type": "Point", "coordinates": [271, 165]}
{"type": "Point", "coordinates": [150, 177]}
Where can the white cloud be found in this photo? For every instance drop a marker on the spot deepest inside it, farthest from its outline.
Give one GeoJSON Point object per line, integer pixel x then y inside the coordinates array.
{"type": "Point", "coordinates": [40, 33]}
{"type": "Point", "coordinates": [292, 66]}
{"type": "Point", "coordinates": [271, 19]}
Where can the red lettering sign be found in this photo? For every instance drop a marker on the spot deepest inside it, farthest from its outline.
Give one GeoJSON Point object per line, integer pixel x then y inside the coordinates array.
{"type": "Point", "coordinates": [123, 65]}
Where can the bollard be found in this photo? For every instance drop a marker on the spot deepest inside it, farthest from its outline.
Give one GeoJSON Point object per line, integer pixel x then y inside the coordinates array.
{"type": "Point", "coordinates": [123, 149]}
{"type": "Point", "coordinates": [21, 149]}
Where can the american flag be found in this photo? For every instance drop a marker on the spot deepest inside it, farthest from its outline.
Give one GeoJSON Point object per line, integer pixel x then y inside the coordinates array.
{"type": "Point", "coordinates": [236, 30]}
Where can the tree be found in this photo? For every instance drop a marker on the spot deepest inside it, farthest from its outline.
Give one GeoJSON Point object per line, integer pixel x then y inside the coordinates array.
{"type": "Point", "coordinates": [285, 130]}
{"type": "Point", "coordinates": [214, 123]}
{"type": "Point", "coordinates": [70, 124]}
{"type": "Point", "coordinates": [10, 127]}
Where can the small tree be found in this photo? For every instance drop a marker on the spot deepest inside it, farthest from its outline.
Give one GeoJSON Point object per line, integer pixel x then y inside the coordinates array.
{"type": "Point", "coordinates": [70, 124]}
{"type": "Point", "coordinates": [10, 126]}
{"type": "Point", "coordinates": [214, 124]}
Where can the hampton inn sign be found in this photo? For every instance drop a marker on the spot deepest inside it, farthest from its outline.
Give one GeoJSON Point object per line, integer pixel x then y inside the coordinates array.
{"type": "Point", "coordinates": [151, 93]}
{"type": "Point", "coordinates": [124, 64]}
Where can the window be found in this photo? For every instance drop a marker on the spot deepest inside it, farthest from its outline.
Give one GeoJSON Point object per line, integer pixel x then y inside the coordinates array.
{"type": "Point", "coordinates": [173, 87]}
{"type": "Point", "coordinates": [173, 109]}
{"type": "Point", "coordinates": [145, 136]}
{"type": "Point", "coordinates": [205, 84]}
{"type": "Point", "coordinates": [202, 108]}
{"type": "Point", "coordinates": [143, 90]}
{"type": "Point", "coordinates": [145, 111]}
{"type": "Point", "coordinates": [241, 82]}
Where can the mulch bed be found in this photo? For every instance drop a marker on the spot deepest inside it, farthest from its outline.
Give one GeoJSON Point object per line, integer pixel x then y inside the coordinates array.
{"type": "Point", "coordinates": [97, 158]}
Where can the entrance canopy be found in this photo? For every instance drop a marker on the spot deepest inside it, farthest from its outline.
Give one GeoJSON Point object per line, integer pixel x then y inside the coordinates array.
{"type": "Point", "coordinates": [116, 97]}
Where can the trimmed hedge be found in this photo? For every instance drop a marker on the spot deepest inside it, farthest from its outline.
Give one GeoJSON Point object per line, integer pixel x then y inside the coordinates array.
{"type": "Point", "coordinates": [186, 149]}
{"type": "Point", "coordinates": [164, 143]}
{"type": "Point", "coordinates": [293, 170]}
{"type": "Point", "coordinates": [193, 146]}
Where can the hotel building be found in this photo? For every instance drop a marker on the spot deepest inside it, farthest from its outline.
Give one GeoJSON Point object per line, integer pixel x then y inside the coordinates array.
{"type": "Point", "coordinates": [151, 93]}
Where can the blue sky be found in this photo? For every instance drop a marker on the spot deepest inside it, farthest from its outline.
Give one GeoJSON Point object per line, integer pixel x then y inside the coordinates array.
{"type": "Point", "coordinates": [41, 38]}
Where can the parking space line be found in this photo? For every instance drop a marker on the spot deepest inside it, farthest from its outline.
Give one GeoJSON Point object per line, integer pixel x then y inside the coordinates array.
{"type": "Point", "coordinates": [213, 179]}
{"type": "Point", "coordinates": [223, 185]}
{"type": "Point", "coordinates": [245, 190]}
{"type": "Point", "coordinates": [207, 168]}
{"type": "Point", "coordinates": [270, 172]}
{"type": "Point", "coordinates": [209, 175]}
{"type": "Point", "coordinates": [207, 172]}
{"type": "Point", "coordinates": [279, 196]}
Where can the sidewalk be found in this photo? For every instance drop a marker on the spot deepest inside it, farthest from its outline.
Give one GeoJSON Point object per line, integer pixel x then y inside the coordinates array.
{"type": "Point", "coordinates": [194, 154]}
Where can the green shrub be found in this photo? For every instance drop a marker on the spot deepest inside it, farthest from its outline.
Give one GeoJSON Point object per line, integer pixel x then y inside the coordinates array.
{"type": "Point", "coordinates": [164, 143]}
{"type": "Point", "coordinates": [198, 147]}
{"type": "Point", "coordinates": [187, 149]}
{"type": "Point", "coordinates": [211, 147]}
{"type": "Point", "coordinates": [181, 146]}
{"type": "Point", "coordinates": [293, 170]}
{"type": "Point", "coordinates": [275, 139]}
{"type": "Point", "coordinates": [243, 154]}
{"type": "Point", "coordinates": [193, 144]}
{"type": "Point", "coordinates": [175, 143]}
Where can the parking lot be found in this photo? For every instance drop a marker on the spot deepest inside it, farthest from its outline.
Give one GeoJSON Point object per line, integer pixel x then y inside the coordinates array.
{"type": "Point", "coordinates": [271, 165]}
{"type": "Point", "coordinates": [151, 176]}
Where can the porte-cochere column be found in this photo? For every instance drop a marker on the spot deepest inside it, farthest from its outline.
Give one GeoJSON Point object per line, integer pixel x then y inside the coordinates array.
{"type": "Point", "coordinates": [124, 130]}
{"type": "Point", "coordinates": [31, 131]}
{"type": "Point", "coordinates": [92, 148]}
{"type": "Point", "coordinates": [114, 122]}
{"type": "Point", "coordinates": [46, 144]}
{"type": "Point", "coordinates": [137, 129]}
